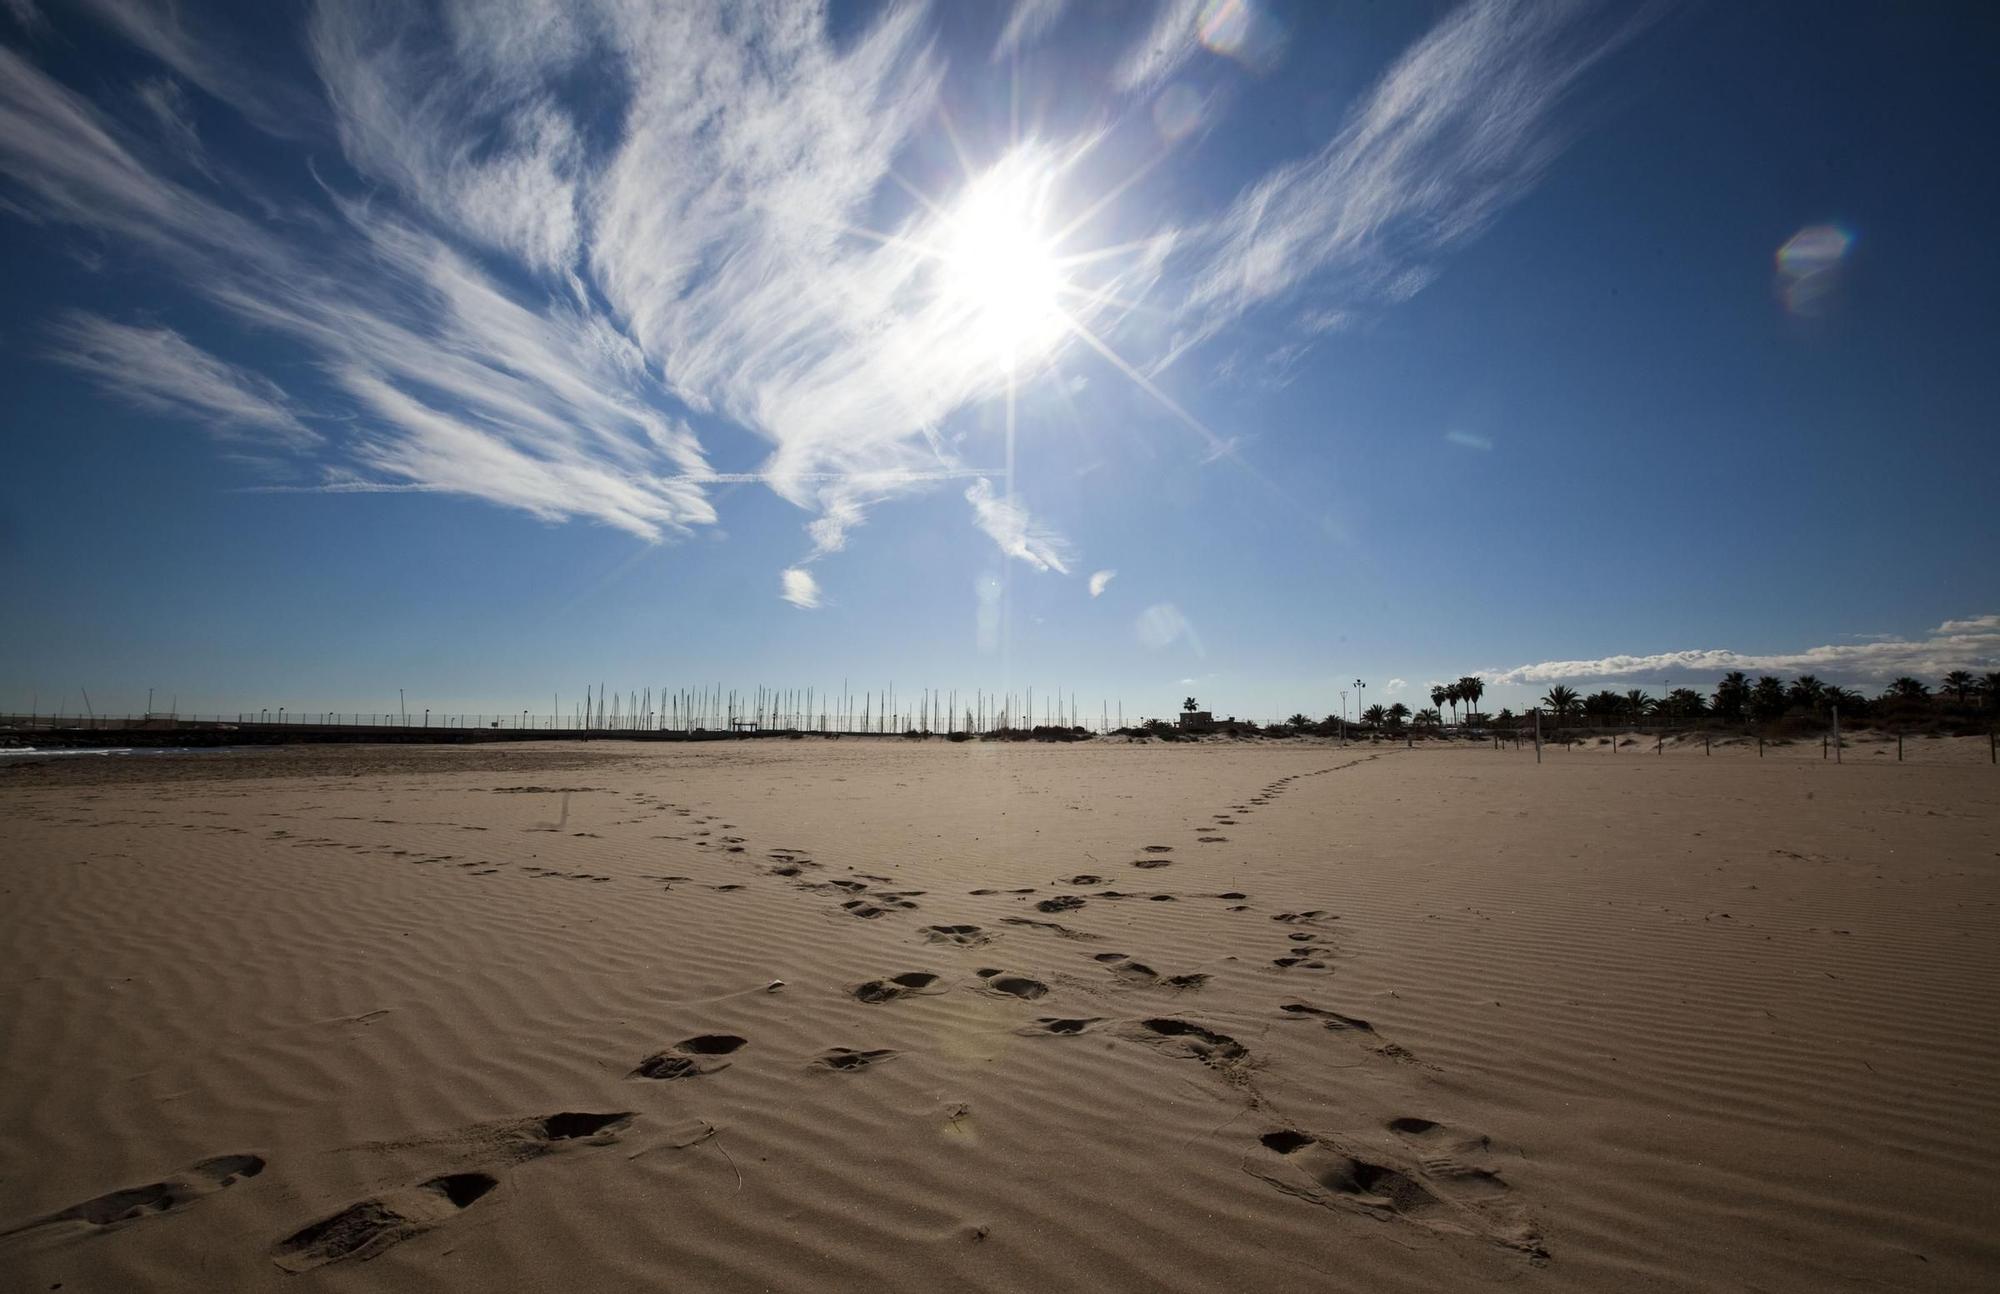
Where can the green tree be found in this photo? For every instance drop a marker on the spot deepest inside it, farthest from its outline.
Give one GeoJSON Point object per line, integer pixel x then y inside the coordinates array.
{"type": "Point", "coordinates": [1683, 703]}
{"type": "Point", "coordinates": [1190, 705]}
{"type": "Point", "coordinates": [1441, 694]}
{"type": "Point", "coordinates": [1960, 684]}
{"type": "Point", "coordinates": [1561, 701]}
{"type": "Point", "coordinates": [1298, 723]}
{"type": "Point", "coordinates": [1767, 698]}
{"type": "Point", "coordinates": [1907, 689]}
{"type": "Point", "coordinates": [1989, 684]}
{"type": "Point", "coordinates": [1470, 689]}
{"type": "Point", "coordinates": [1428, 718]}
{"type": "Point", "coordinates": [1732, 695]}
{"type": "Point", "coordinates": [1374, 716]}
{"type": "Point", "coordinates": [1397, 713]}
{"type": "Point", "coordinates": [1603, 705]}
{"type": "Point", "coordinates": [1806, 693]}
{"type": "Point", "coordinates": [1638, 704]}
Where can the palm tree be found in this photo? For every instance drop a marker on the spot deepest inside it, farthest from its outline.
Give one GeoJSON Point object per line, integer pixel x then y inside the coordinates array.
{"type": "Point", "coordinates": [1397, 713]}
{"type": "Point", "coordinates": [1907, 689]}
{"type": "Point", "coordinates": [1428, 718]}
{"type": "Point", "coordinates": [1298, 723]}
{"type": "Point", "coordinates": [1190, 705]}
{"type": "Point", "coordinates": [1807, 693]}
{"type": "Point", "coordinates": [1732, 694]}
{"type": "Point", "coordinates": [1561, 701]}
{"type": "Point", "coordinates": [1603, 704]}
{"type": "Point", "coordinates": [1441, 694]}
{"type": "Point", "coordinates": [1767, 698]}
{"type": "Point", "coordinates": [1470, 689]}
{"type": "Point", "coordinates": [1683, 703]}
{"type": "Point", "coordinates": [1374, 716]}
{"type": "Point", "coordinates": [1990, 685]}
{"type": "Point", "coordinates": [1960, 684]}
{"type": "Point", "coordinates": [1638, 703]}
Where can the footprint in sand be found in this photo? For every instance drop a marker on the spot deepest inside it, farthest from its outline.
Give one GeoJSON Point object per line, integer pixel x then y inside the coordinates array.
{"type": "Point", "coordinates": [1193, 1041]}
{"type": "Point", "coordinates": [888, 990]}
{"type": "Point", "coordinates": [847, 1058]}
{"type": "Point", "coordinates": [1013, 985]}
{"type": "Point", "coordinates": [1053, 927]}
{"type": "Point", "coordinates": [1060, 903]}
{"type": "Point", "coordinates": [963, 935]}
{"type": "Point", "coordinates": [366, 1229]}
{"type": "Point", "coordinates": [1437, 1191]}
{"type": "Point", "coordinates": [1158, 849]}
{"type": "Point", "coordinates": [684, 1058]}
{"type": "Point", "coordinates": [1333, 1020]}
{"type": "Point", "coordinates": [1086, 878]}
{"type": "Point", "coordinates": [1051, 1026]}
{"type": "Point", "coordinates": [1154, 862]}
{"type": "Point", "coordinates": [109, 1210]}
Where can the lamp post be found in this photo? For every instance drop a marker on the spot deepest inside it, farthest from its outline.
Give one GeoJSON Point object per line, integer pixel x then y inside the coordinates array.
{"type": "Point", "coordinates": [1360, 698]}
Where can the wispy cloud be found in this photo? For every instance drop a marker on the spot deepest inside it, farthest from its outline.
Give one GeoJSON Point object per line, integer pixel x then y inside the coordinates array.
{"type": "Point", "coordinates": [799, 588]}
{"type": "Point", "coordinates": [1162, 625]}
{"type": "Point", "coordinates": [158, 369]}
{"type": "Point", "coordinates": [1100, 581]}
{"type": "Point", "coordinates": [1460, 128]}
{"type": "Point", "coordinates": [523, 291]}
{"type": "Point", "coordinates": [163, 97]}
{"type": "Point", "coordinates": [1395, 685]}
{"type": "Point", "coordinates": [1018, 534]}
{"type": "Point", "coordinates": [205, 58]}
{"type": "Point", "coordinates": [1028, 21]}
{"type": "Point", "coordinates": [1956, 644]}
{"type": "Point", "coordinates": [1469, 440]}
{"type": "Point", "coordinates": [1167, 44]}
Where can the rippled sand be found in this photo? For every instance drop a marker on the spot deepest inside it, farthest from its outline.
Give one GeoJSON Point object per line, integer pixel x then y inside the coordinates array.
{"type": "Point", "coordinates": [797, 1015]}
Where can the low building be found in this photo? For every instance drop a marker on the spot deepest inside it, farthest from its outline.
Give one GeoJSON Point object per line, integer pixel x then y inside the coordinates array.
{"type": "Point", "coordinates": [1197, 721]}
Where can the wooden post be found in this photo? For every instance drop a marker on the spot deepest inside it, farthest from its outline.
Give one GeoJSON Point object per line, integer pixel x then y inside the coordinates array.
{"type": "Point", "coordinates": [1538, 736]}
{"type": "Point", "coordinates": [1760, 745]}
{"type": "Point", "coordinates": [1899, 748]}
{"type": "Point", "coordinates": [1836, 734]}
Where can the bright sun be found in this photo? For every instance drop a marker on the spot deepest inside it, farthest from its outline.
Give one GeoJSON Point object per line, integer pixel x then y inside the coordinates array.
{"type": "Point", "coordinates": [1000, 267]}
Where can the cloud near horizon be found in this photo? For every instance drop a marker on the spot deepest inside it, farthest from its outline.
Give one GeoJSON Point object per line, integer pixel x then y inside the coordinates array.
{"type": "Point", "coordinates": [485, 281]}
{"type": "Point", "coordinates": [1955, 644]}
{"type": "Point", "coordinates": [1100, 581]}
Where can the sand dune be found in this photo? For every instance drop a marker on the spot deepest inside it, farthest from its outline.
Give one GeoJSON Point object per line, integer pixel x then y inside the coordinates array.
{"type": "Point", "coordinates": [873, 1015]}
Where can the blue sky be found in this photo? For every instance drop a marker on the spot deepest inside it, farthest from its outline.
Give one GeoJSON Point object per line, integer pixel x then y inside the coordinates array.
{"type": "Point", "coordinates": [489, 350]}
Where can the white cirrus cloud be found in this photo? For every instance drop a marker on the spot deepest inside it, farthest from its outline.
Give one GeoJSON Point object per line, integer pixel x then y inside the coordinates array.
{"type": "Point", "coordinates": [1026, 23]}
{"type": "Point", "coordinates": [798, 587]}
{"type": "Point", "coordinates": [1008, 524]}
{"type": "Point", "coordinates": [1461, 127]}
{"type": "Point", "coordinates": [1395, 685]}
{"type": "Point", "coordinates": [1100, 581]}
{"type": "Point", "coordinates": [160, 370]}
{"type": "Point", "coordinates": [1162, 625]}
{"type": "Point", "coordinates": [1164, 46]}
{"type": "Point", "coordinates": [535, 242]}
{"type": "Point", "coordinates": [1972, 643]}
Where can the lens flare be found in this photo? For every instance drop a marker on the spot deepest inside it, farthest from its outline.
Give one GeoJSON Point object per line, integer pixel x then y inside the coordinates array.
{"type": "Point", "coordinates": [1243, 30]}
{"type": "Point", "coordinates": [1809, 266]}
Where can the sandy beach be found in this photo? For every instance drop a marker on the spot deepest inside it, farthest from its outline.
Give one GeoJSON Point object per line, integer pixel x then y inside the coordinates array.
{"type": "Point", "coordinates": [872, 1014]}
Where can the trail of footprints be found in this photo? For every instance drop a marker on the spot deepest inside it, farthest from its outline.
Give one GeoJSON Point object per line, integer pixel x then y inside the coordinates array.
{"type": "Point", "coordinates": [1422, 1173]}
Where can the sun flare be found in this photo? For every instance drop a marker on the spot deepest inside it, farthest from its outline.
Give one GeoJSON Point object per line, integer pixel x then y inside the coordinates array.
{"type": "Point", "coordinates": [1000, 267]}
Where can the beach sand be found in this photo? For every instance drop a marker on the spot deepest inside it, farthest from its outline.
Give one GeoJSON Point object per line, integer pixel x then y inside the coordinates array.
{"type": "Point", "coordinates": [871, 1014]}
